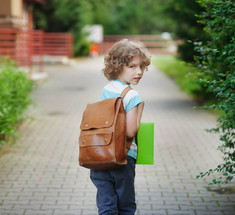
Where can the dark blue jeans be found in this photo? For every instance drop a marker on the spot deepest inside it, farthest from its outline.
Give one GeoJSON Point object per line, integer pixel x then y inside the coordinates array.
{"type": "Point", "coordinates": [115, 189]}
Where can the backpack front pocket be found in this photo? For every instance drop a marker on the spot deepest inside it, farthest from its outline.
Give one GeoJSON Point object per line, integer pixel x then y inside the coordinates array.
{"type": "Point", "coordinates": [97, 139]}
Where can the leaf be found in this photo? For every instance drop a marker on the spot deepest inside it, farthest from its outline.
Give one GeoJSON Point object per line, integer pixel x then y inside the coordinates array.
{"type": "Point", "coordinates": [212, 106]}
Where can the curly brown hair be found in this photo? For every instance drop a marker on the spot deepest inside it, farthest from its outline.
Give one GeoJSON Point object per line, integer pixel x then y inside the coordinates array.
{"type": "Point", "coordinates": [121, 54]}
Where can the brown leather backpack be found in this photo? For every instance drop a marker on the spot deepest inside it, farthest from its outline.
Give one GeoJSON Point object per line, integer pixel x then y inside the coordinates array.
{"type": "Point", "coordinates": [103, 143]}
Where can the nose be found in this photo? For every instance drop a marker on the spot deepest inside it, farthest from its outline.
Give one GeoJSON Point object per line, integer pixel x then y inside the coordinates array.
{"type": "Point", "coordinates": [139, 71]}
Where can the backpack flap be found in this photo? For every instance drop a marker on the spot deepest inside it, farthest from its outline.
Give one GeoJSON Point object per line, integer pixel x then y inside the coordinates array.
{"type": "Point", "coordinates": [99, 115]}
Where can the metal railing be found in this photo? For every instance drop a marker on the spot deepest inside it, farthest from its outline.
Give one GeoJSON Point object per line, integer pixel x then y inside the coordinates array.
{"type": "Point", "coordinates": [27, 47]}
{"type": "Point", "coordinates": [58, 44]}
{"type": "Point", "coordinates": [17, 45]}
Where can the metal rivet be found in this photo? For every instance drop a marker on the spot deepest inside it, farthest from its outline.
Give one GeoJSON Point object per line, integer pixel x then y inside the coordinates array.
{"type": "Point", "coordinates": [105, 139]}
{"type": "Point", "coordinates": [106, 122]}
{"type": "Point", "coordinates": [86, 125]}
{"type": "Point", "coordinates": [83, 141]}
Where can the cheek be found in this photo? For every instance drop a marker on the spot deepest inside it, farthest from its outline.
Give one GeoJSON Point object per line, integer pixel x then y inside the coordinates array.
{"type": "Point", "coordinates": [132, 73]}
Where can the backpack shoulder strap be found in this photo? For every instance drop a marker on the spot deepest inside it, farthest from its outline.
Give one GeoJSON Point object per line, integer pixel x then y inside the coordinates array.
{"type": "Point", "coordinates": [124, 92]}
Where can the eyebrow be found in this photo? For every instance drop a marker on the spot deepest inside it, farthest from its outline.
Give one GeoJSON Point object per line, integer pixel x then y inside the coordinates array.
{"type": "Point", "coordinates": [134, 64]}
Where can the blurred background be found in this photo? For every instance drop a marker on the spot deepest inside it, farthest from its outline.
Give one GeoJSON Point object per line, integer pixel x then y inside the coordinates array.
{"type": "Point", "coordinates": [121, 17]}
{"type": "Point", "coordinates": [191, 41]}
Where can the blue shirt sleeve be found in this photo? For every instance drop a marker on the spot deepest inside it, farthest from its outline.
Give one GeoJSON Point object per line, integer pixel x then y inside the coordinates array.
{"type": "Point", "coordinates": [135, 101]}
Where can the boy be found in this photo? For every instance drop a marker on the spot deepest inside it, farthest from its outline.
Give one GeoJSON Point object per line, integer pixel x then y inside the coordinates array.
{"type": "Point", "coordinates": [125, 64]}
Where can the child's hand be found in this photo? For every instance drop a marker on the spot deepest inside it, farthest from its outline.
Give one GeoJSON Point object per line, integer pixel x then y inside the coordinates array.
{"type": "Point", "coordinates": [139, 112]}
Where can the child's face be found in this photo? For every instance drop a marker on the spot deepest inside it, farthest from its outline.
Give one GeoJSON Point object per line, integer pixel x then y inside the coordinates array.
{"type": "Point", "coordinates": [132, 73]}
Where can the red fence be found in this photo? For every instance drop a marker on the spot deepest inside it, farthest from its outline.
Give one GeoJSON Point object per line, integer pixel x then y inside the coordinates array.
{"type": "Point", "coordinates": [156, 44]}
{"type": "Point", "coordinates": [16, 45]}
{"type": "Point", "coordinates": [37, 48]}
{"type": "Point", "coordinates": [58, 44]}
{"type": "Point", "coordinates": [27, 47]}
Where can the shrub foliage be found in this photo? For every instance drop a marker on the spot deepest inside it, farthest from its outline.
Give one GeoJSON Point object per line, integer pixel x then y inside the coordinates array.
{"type": "Point", "coordinates": [15, 88]}
{"type": "Point", "coordinates": [186, 26]}
{"type": "Point", "coordinates": [217, 73]}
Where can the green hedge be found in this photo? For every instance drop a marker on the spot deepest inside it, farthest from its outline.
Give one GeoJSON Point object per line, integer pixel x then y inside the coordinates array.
{"type": "Point", "coordinates": [217, 73]}
{"type": "Point", "coordinates": [15, 89]}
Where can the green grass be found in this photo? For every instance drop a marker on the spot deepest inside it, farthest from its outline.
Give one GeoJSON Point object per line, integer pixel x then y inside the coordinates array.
{"type": "Point", "coordinates": [183, 74]}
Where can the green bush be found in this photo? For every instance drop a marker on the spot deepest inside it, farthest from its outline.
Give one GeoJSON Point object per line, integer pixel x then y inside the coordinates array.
{"type": "Point", "coordinates": [217, 74]}
{"type": "Point", "coordinates": [15, 90]}
{"type": "Point", "coordinates": [186, 29]}
{"type": "Point", "coordinates": [65, 16]}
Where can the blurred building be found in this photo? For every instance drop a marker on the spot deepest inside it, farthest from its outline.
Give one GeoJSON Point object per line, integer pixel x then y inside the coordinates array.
{"type": "Point", "coordinates": [17, 14]}
{"type": "Point", "coordinates": [20, 42]}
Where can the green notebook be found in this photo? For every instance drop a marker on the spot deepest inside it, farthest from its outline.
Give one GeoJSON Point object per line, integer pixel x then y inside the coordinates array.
{"type": "Point", "coordinates": [145, 141]}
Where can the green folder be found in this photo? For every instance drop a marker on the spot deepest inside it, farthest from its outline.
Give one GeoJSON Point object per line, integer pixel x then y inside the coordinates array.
{"type": "Point", "coordinates": [145, 141]}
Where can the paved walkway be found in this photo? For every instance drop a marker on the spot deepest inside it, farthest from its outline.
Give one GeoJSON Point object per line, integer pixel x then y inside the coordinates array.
{"type": "Point", "coordinates": [41, 175]}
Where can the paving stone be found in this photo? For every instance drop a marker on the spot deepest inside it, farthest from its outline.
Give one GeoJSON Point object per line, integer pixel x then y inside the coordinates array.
{"type": "Point", "coordinates": [150, 212]}
{"type": "Point", "coordinates": [174, 212]}
{"type": "Point", "coordinates": [12, 212]}
{"type": "Point", "coordinates": [203, 212]}
{"type": "Point", "coordinates": [41, 212]}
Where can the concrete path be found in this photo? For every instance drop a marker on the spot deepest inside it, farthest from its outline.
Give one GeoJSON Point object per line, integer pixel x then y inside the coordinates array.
{"type": "Point", "coordinates": [41, 175]}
